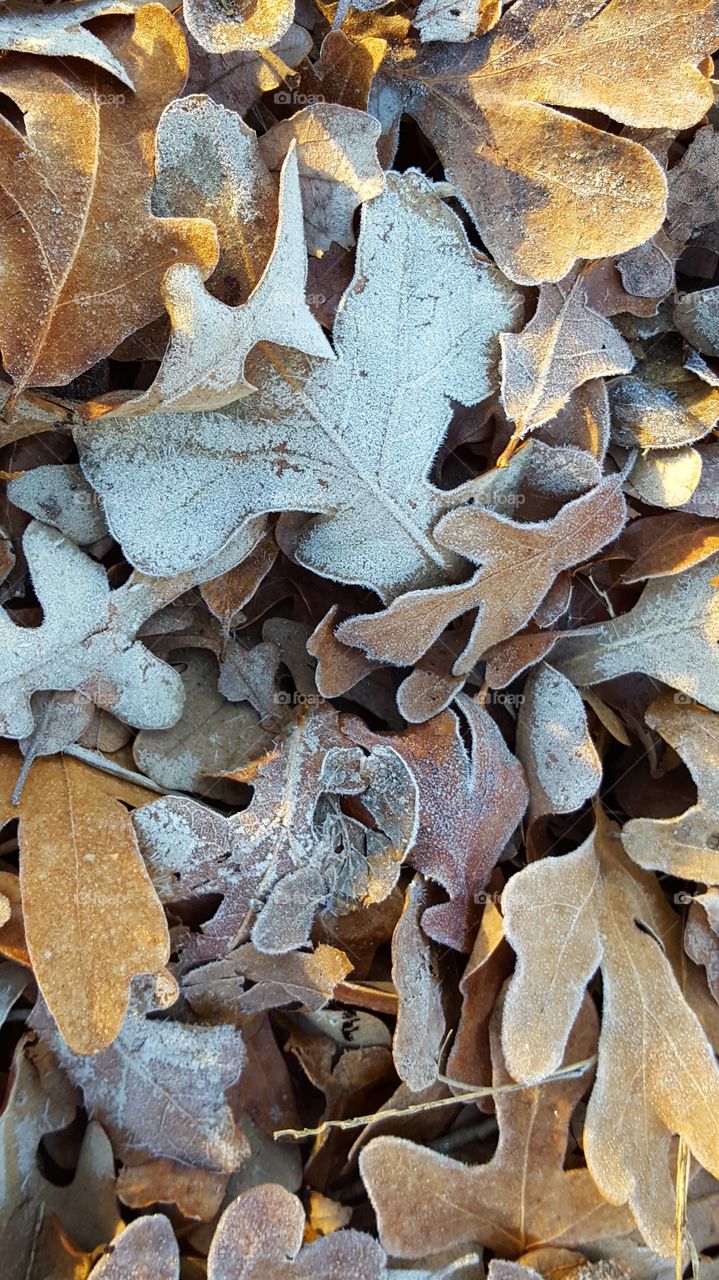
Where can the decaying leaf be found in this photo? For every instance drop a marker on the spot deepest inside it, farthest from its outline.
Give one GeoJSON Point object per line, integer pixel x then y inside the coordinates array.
{"type": "Point", "coordinates": [330, 437]}
{"type": "Point", "coordinates": [656, 1071]}
{"type": "Point", "coordinates": [306, 978]}
{"type": "Point", "coordinates": [469, 805]}
{"type": "Point", "coordinates": [92, 918]}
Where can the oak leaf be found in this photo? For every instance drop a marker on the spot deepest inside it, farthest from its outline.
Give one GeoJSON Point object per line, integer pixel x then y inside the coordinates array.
{"type": "Point", "coordinates": [671, 634]}
{"type": "Point", "coordinates": [565, 344]}
{"type": "Point", "coordinates": [554, 744]}
{"type": "Point", "coordinates": [222, 28]}
{"type": "Point", "coordinates": [303, 977]}
{"type": "Point", "coordinates": [688, 845]}
{"type": "Point", "coordinates": [58, 31]}
{"type": "Point", "coordinates": [544, 187]}
{"type": "Point", "coordinates": [519, 563]}
{"type": "Point", "coordinates": [524, 1196]}
{"type": "Point", "coordinates": [351, 439]}
{"type": "Point", "coordinates": [147, 1247]}
{"type": "Point", "coordinates": [86, 642]}
{"type": "Point", "coordinates": [87, 269]}
{"type": "Point", "coordinates": [92, 917]}
{"type": "Point", "coordinates": [656, 1073]}
{"type": "Point", "coordinates": [420, 1028]}
{"type": "Point", "coordinates": [160, 1088]}
{"type": "Point", "coordinates": [469, 804]}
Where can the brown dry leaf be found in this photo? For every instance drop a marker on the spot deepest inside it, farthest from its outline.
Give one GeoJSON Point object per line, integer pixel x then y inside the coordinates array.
{"type": "Point", "coordinates": [92, 918]}
{"type": "Point", "coordinates": [696, 316]}
{"type": "Point", "coordinates": [688, 845]}
{"type": "Point", "coordinates": [671, 634]}
{"type": "Point", "coordinates": [554, 744]}
{"type": "Point", "coordinates": [701, 935]}
{"type": "Point", "coordinates": [339, 667]}
{"type": "Point", "coordinates": [656, 1072]}
{"type": "Point", "coordinates": [666, 544]}
{"type": "Point", "coordinates": [420, 1027]}
{"type": "Point", "coordinates": [489, 964]}
{"type": "Point", "coordinates": [227, 595]}
{"type": "Point", "coordinates": [519, 563]}
{"type": "Point", "coordinates": [39, 1102]}
{"type": "Point", "coordinates": [305, 978]}
{"type": "Point", "coordinates": [160, 1088]}
{"type": "Point", "coordinates": [338, 167]}
{"type": "Point", "coordinates": [198, 1193]}
{"type": "Point", "coordinates": [469, 805]}
{"type": "Point", "coordinates": [260, 1235]}
{"type": "Point", "coordinates": [544, 187]}
{"type": "Point", "coordinates": [58, 31]}
{"type": "Point", "coordinates": [237, 80]}
{"type": "Point", "coordinates": [12, 932]}
{"type": "Point", "coordinates": [87, 270]}
{"type": "Point", "coordinates": [523, 1196]}
{"type": "Point", "coordinates": [565, 344]}
{"type": "Point", "coordinates": [145, 1250]}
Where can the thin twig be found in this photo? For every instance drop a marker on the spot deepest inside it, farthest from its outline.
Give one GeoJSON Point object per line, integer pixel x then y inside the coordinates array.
{"type": "Point", "coordinates": [98, 761]}
{"type": "Point", "coordinates": [396, 1113]}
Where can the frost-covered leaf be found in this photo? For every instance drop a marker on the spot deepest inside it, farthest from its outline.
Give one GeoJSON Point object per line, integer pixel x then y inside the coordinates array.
{"type": "Point", "coordinates": [554, 744]}
{"type": "Point", "coordinates": [338, 167]}
{"type": "Point", "coordinates": [328, 437]}
{"type": "Point", "coordinates": [147, 1247]}
{"type": "Point", "coordinates": [565, 344]}
{"type": "Point", "coordinates": [261, 1234]}
{"type": "Point", "coordinates": [92, 917]}
{"type": "Point", "coordinates": [521, 1196]}
{"type": "Point", "coordinates": [544, 187]}
{"type": "Point", "coordinates": [671, 634]}
{"type": "Point", "coordinates": [420, 1029]}
{"type": "Point", "coordinates": [656, 1073]}
{"type": "Point", "coordinates": [293, 848]}
{"type": "Point", "coordinates": [160, 1088]}
{"type": "Point", "coordinates": [666, 477]}
{"type": "Point", "coordinates": [663, 405]}
{"type": "Point", "coordinates": [519, 563]}
{"type": "Point", "coordinates": [469, 804]}
{"type": "Point", "coordinates": [57, 31]}
{"type": "Point", "coordinates": [222, 28]}
{"type": "Point", "coordinates": [60, 497]}
{"type": "Point", "coordinates": [86, 270]}
{"type": "Point", "coordinates": [303, 977]}
{"type": "Point", "coordinates": [688, 845]}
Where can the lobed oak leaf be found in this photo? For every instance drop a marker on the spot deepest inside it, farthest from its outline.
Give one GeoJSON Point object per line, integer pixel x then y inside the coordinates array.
{"type": "Point", "coordinates": [522, 1197]}
{"type": "Point", "coordinates": [261, 1233]}
{"type": "Point", "coordinates": [145, 1250]}
{"type": "Point", "coordinates": [160, 1088]}
{"type": "Point", "coordinates": [87, 270]}
{"type": "Point", "coordinates": [350, 440]}
{"type": "Point", "coordinates": [519, 563]}
{"type": "Point", "coordinates": [671, 634]}
{"type": "Point", "coordinates": [688, 845]}
{"type": "Point", "coordinates": [92, 918]}
{"type": "Point", "coordinates": [656, 1073]}
{"type": "Point", "coordinates": [86, 642]}
{"type": "Point", "coordinates": [203, 365]}
{"type": "Point", "coordinates": [544, 187]}
{"type": "Point", "coordinates": [469, 805]}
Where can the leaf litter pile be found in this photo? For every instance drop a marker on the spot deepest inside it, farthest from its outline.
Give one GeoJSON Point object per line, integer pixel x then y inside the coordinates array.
{"type": "Point", "coordinates": [359, 692]}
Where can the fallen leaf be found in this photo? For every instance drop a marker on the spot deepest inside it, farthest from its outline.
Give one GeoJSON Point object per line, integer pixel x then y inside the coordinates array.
{"type": "Point", "coordinates": [420, 1027]}
{"type": "Point", "coordinates": [686, 846]}
{"type": "Point", "coordinates": [306, 978]}
{"type": "Point", "coordinates": [523, 1196]}
{"type": "Point", "coordinates": [305, 450]}
{"type": "Point", "coordinates": [87, 270]}
{"type": "Point", "coordinates": [604, 912]}
{"type": "Point", "coordinates": [554, 744]}
{"type": "Point", "coordinates": [469, 805]}
{"type": "Point", "coordinates": [146, 1248]}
